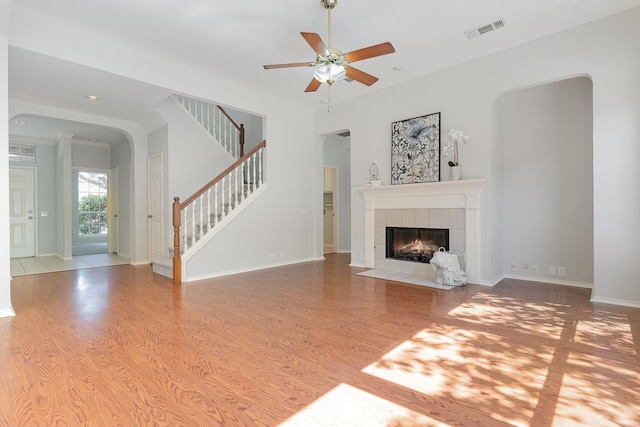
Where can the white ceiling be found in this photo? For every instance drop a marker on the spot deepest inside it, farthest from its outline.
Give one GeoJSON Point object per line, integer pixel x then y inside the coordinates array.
{"type": "Point", "coordinates": [244, 35]}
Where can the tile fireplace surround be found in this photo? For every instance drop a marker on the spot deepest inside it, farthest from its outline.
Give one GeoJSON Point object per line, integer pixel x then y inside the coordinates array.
{"type": "Point", "coordinates": [445, 204]}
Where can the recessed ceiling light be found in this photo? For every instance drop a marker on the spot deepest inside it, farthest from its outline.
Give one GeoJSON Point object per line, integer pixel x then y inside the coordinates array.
{"type": "Point", "coordinates": [397, 68]}
{"type": "Point", "coordinates": [22, 123]}
{"type": "Point", "coordinates": [93, 97]}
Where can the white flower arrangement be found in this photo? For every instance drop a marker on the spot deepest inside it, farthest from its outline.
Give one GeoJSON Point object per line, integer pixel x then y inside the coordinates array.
{"type": "Point", "coordinates": [455, 137]}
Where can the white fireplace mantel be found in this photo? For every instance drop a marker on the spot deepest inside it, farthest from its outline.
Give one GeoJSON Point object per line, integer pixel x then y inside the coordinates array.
{"type": "Point", "coordinates": [444, 194]}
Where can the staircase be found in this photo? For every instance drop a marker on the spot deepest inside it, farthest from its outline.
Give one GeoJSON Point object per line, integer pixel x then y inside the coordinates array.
{"type": "Point", "coordinates": [201, 216]}
{"type": "Point", "coordinates": [215, 120]}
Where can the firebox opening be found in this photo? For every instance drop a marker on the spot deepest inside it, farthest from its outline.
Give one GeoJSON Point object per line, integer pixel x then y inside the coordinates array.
{"type": "Point", "coordinates": [415, 244]}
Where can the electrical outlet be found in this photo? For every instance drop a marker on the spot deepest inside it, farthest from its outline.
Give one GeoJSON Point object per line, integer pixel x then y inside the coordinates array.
{"type": "Point", "coordinates": [561, 271]}
{"type": "Point", "coordinates": [552, 270]}
{"type": "Point", "coordinates": [536, 268]}
{"type": "Point", "coordinates": [525, 267]}
{"type": "Point", "coordinates": [514, 266]}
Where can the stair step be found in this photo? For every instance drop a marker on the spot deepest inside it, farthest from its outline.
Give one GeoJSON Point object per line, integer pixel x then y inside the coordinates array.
{"type": "Point", "coordinates": [163, 266]}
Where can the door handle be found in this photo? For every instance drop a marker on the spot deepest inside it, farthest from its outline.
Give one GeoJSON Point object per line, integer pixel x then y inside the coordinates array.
{"type": "Point", "coordinates": [149, 216]}
{"type": "Point", "coordinates": [30, 217]}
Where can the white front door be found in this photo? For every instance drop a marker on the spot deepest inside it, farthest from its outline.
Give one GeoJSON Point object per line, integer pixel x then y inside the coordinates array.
{"type": "Point", "coordinates": [156, 204]}
{"type": "Point", "coordinates": [22, 212]}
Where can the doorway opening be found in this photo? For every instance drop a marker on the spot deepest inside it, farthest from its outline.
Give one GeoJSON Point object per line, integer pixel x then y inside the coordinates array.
{"type": "Point", "coordinates": [90, 212]}
{"type": "Point", "coordinates": [336, 193]}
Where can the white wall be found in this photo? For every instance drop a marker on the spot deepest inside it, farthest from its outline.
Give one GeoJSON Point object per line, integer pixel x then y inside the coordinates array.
{"type": "Point", "coordinates": [46, 164]}
{"type": "Point", "coordinates": [63, 199]}
{"type": "Point", "coordinates": [548, 180]}
{"type": "Point", "coordinates": [5, 284]}
{"type": "Point", "coordinates": [466, 96]}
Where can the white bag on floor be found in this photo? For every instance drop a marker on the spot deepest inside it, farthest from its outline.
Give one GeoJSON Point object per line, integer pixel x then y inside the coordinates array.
{"type": "Point", "coordinates": [447, 269]}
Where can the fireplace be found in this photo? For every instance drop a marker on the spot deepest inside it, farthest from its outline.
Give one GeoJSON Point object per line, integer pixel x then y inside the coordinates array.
{"type": "Point", "coordinates": [415, 244]}
{"type": "Point", "coordinates": [446, 204]}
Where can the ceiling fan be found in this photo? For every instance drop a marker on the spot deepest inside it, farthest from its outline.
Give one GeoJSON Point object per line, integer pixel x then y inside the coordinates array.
{"type": "Point", "coordinates": [333, 65]}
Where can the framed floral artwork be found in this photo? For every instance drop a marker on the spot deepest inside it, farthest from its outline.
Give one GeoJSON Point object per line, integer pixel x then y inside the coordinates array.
{"type": "Point", "coordinates": [415, 150]}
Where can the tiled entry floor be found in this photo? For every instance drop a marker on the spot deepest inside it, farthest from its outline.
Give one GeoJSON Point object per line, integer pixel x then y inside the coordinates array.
{"type": "Point", "coordinates": [48, 264]}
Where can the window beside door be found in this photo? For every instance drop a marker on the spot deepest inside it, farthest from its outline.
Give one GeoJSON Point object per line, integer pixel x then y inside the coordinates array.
{"type": "Point", "coordinates": [92, 203]}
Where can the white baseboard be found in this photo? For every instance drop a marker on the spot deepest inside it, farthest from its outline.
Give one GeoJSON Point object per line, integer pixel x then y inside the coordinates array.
{"type": "Point", "coordinates": [549, 280]}
{"type": "Point", "coordinates": [247, 270]}
{"type": "Point", "coordinates": [492, 283]}
{"type": "Point", "coordinates": [625, 303]}
{"type": "Point", "coordinates": [7, 313]}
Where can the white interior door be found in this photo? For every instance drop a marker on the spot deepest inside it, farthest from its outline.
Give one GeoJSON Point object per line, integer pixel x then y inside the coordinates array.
{"type": "Point", "coordinates": [113, 226]}
{"type": "Point", "coordinates": [156, 204]}
{"type": "Point", "coordinates": [22, 212]}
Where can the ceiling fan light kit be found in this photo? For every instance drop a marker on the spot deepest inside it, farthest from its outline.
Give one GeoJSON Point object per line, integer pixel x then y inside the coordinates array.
{"type": "Point", "coordinates": [331, 64]}
{"type": "Point", "coordinates": [329, 73]}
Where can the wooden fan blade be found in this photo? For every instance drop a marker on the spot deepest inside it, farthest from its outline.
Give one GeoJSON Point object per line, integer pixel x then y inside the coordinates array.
{"type": "Point", "coordinates": [361, 76]}
{"type": "Point", "coordinates": [369, 52]}
{"type": "Point", "coordinates": [294, 64]}
{"type": "Point", "coordinates": [316, 43]}
{"type": "Point", "coordinates": [313, 86]}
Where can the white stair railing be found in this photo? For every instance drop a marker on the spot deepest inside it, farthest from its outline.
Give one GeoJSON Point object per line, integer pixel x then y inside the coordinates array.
{"type": "Point", "coordinates": [215, 120]}
{"type": "Point", "coordinates": [212, 205]}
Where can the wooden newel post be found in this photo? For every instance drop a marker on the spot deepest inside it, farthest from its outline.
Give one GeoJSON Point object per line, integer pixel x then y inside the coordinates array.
{"type": "Point", "coordinates": [241, 140]}
{"type": "Point", "coordinates": [177, 261]}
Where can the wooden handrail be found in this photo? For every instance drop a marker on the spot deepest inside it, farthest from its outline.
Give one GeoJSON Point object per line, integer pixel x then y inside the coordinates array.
{"type": "Point", "coordinates": [228, 117]}
{"type": "Point", "coordinates": [239, 128]}
{"type": "Point", "coordinates": [211, 183]}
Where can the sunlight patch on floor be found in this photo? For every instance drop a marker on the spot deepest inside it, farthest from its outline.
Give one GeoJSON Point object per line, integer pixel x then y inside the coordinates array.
{"type": "Point", "coordinates": [349, 406]}
{"type": "Point", "coordinates": [490, 311]}
{"type": "Point", "coordinates": [462, 365]}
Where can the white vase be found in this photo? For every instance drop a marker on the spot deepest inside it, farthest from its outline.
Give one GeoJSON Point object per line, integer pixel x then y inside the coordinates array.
{"type": "Point", "coordinates": [455, 173]}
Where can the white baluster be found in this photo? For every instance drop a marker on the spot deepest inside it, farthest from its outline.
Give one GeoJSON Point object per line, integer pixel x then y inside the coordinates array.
{"type": "Point", "coordinates": [208, 210]}
{"type": "Point", "coordinates": [230, 194]}
{"type": "Point", "coordinates": [242, 166]}
{"type": "Point", "coordinates": [201, 216]}
{"type": "Point", "coordinates": [218, 132]}
{"type": "Point", "coordinates": [216, 202]}
{"type": "Point", "coordinates": [193, 224]}
{"type": "Point", "coordinates": [259, 161]}
{"type": "Point", "coordinates": [223, 213]}
{"type": "Point", "coordinates": [236, 183]}
{"type": "Point", "coordinates": [185, 244]}
{"type": "Point", "coordinates": [253, 172]}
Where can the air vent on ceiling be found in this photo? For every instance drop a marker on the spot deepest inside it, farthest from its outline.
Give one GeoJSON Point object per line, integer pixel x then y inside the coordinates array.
{"type": "Point", "coordinates": [472, 34]}
{"type": "Point", "coordinates": [345, 80]}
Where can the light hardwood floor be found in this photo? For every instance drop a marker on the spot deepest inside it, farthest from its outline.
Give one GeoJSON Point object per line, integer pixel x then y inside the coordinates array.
{"type": "Point", "coordinates": [312, 344]}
